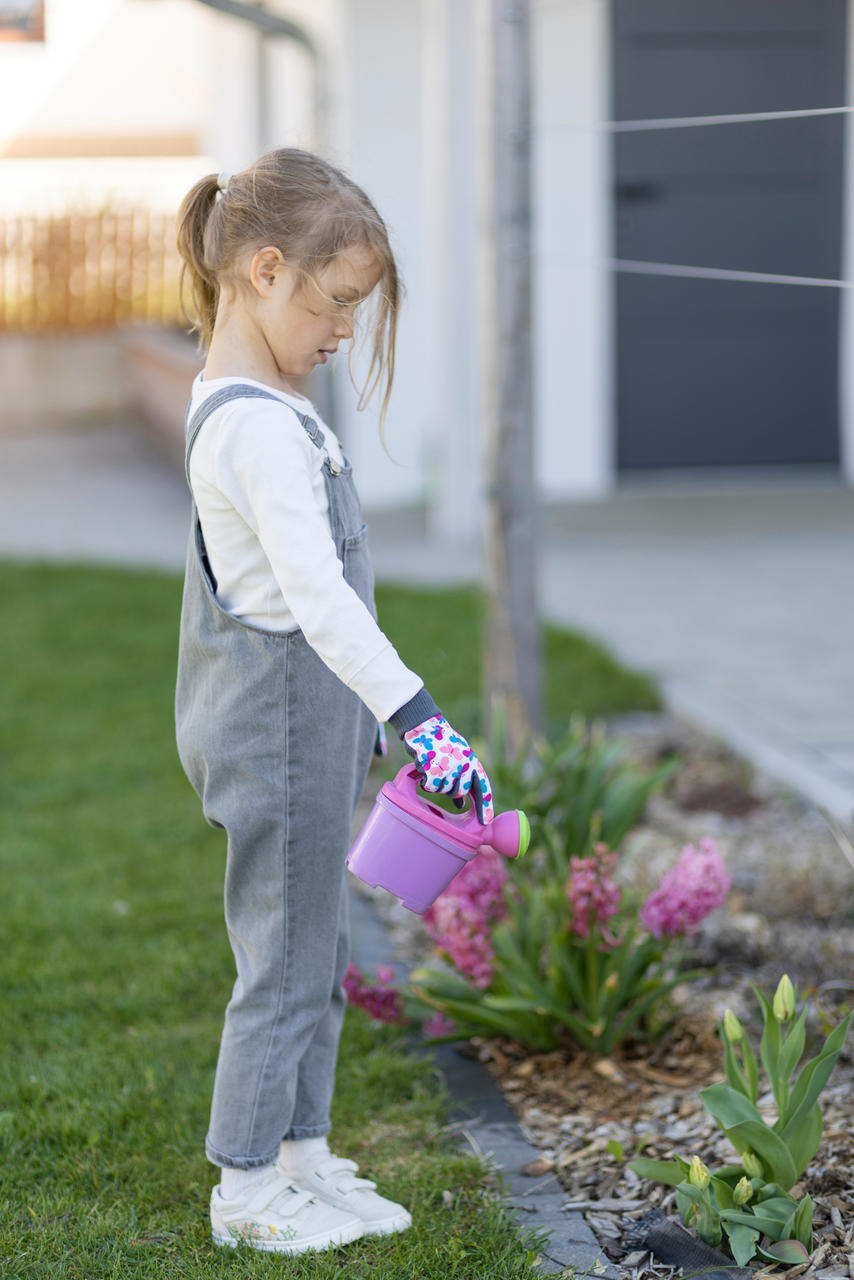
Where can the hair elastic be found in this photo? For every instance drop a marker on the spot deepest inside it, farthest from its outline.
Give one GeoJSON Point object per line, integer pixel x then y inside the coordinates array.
{"type": "Point", "coordinates": [223, 180]}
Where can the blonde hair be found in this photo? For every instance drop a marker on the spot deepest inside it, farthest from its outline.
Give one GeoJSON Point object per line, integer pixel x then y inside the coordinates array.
{"type": "Point", "coordinates": [311, 212]}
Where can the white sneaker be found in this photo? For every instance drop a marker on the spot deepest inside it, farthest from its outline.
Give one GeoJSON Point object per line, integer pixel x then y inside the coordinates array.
{"type": "Point", "coordinates": [334, 1181]}
{"type": "Point", "coordinates": [279, 1217]}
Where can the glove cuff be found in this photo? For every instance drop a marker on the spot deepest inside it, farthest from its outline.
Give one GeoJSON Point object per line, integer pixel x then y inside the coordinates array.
{"type": "Point", "coordinates": [414, 712]}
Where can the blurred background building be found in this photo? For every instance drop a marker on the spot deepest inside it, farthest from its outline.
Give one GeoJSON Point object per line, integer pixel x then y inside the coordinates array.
{"type": "Point", "coordinates": [723, 356]}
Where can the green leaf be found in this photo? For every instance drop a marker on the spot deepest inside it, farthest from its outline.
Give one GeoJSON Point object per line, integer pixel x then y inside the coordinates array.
{"type": "Point", "coordinates": [789, 1252]}
{"type": "Point", "coordinates": [705, 1218]}
{"type": "Point", "coordinates": [769, 1045]}
{"type": "Point", "coordinates": [732, 1069]}
{"type": "Point", "coordinates": [472, 1018]}
{"type": "Point", "coordinates": [790, 1056]}
{"type": "Point", "coordinates": [771, 1190]}
{"type": "Point", "coordinates": [804, 1140]}
{"type": "Point", "coordinates": [742, 1241]}
{"type": "Point", "coordinates": [799, 1225]}
{"type": "Point", "coordinates": [778, 1207]}
{"type": "Point", "coordinates": [620, 1028]}
{"type": "Point", "coordinates": [730, 1174]}
{"type": "Point", "coordinates": [670, 1172]}
{"type": "Point", "coordinates": [751, 1069]}
{"type": "Point", "coordinates": [632, 964]}
{"type": "Point", "coordinates": [442, 983]}
{"type": "Point", "coordinates": [615, 1149]}
{"type": "Point", "coordinates": [743, 1125]}
{"type": "Point", "coordinates": [800, 1127]}
{"type": "Point", "coordinates": [767, 1225]}
{"type": "Point", "coordinates": [723, 1192]}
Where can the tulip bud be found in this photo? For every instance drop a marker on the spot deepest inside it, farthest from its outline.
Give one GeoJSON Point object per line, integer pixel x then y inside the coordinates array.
{"type": "Point", "coordinates": [752, 1165]}
{"type": "Point", "coordinates": [742, 1192]}
{"type": "Point", "coordinates": [698, 1174]}
{"type": "Point", "coordinates": [784, 999]}
{"type": "Point", "coordinates": [732, 1026]}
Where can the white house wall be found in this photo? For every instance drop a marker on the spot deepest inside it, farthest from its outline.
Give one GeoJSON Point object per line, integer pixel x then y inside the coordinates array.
{"type": "Point", "coordinates": [410, 142]}
{"type": "Point", "coordinates": [232, 125]}
{"type": "Point", "coordinates": [379, 136]}
{"type": "Point", "coordinates": [573, 342]}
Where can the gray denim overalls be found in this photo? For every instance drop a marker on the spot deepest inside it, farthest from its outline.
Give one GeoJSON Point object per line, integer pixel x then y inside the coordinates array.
{"type": "Point", "coordinates": [277, 748]}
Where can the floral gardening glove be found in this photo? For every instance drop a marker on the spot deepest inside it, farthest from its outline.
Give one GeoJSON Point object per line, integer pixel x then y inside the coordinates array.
{"type": "Point", "coordinates": [448, 765]}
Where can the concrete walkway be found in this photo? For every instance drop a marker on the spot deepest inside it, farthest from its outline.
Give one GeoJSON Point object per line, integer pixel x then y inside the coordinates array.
{"type": "Point", "coordinates": [735, 595]}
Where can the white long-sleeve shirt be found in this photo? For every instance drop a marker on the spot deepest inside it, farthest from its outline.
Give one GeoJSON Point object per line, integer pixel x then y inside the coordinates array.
{"type": "Point", "coordinates": [257, 481]}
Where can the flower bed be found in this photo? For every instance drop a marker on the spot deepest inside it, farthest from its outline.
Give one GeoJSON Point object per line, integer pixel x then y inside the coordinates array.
{"type": "Point", "coordinates": [792, 895]}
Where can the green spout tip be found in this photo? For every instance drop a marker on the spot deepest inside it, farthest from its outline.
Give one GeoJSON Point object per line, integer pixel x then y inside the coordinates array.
{"type": "Point", "coordinates": [524, 833]}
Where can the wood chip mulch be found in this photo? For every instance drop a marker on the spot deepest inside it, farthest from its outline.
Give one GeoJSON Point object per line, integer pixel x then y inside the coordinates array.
{"type": "Point", "coordinates": [589, 1116]}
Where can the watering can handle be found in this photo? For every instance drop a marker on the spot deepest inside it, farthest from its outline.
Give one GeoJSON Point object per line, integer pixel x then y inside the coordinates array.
{"type": "Point", "coordinates": [406, 781]}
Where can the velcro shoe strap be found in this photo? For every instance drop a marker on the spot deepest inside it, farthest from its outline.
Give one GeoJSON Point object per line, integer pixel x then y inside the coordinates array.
{"type": "Point", "coordinates": [328, 1169]}
{"type": "Point", "coordinates": [284, 1199]}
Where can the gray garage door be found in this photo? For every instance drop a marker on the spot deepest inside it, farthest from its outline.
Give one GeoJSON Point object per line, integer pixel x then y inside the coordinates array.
{"type": "Point", "coordinates": [722, 373]}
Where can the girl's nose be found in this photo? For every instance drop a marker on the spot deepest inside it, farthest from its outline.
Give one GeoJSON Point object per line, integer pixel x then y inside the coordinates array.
{"type": "Point", "coordinates": [344, 327]}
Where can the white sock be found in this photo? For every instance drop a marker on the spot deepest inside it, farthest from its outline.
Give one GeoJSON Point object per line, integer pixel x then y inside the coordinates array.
{"type": "Point", "coordinates": [296, 1152]}
{"type": "Point", "coordinates": [235, 1183]}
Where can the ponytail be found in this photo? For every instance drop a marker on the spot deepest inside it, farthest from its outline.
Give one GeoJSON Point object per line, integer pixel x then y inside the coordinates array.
{"type": "Point", "coordinates": [193, 222]}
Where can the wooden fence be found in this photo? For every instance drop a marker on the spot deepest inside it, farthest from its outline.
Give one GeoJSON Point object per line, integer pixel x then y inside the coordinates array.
{"type": "Point", "coordinates": [75, 271]}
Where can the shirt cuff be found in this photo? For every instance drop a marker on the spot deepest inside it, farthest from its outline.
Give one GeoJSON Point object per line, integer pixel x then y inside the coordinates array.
{"type": "Point", "coordinates": [414, 712]}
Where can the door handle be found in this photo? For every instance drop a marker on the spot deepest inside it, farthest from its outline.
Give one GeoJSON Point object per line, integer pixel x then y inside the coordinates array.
{"type": "Point", "coordinates": [639, 192]}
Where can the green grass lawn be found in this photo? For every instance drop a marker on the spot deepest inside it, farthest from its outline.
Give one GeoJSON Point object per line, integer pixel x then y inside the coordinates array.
{"type": "Point", "coordinates": [116, 970]}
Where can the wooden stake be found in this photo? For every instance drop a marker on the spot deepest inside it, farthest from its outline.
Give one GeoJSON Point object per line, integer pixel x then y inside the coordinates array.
{"type": "Point", "coordinates": [512, 633]}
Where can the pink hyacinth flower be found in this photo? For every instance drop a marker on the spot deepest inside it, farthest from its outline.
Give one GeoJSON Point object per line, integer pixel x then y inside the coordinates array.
{"type": "Point", "coordinates": [593, 894]}
{"type": "Point", "coordinates": [380, 1000]}
{"type": "Point", "coordinates": [693, 888]}
{"type": "Point", "coordinates": [460, 919]}
{"type": "Point", "coordinates": [438, 1025]}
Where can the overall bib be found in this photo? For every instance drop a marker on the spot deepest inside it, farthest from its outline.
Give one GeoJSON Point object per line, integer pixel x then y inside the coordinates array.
{"type": "Point", "coordinates": [278, 749]}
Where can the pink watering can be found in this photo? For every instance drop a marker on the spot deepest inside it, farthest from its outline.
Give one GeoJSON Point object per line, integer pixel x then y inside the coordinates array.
{"type": "Point", "coordinates": [414, 849]}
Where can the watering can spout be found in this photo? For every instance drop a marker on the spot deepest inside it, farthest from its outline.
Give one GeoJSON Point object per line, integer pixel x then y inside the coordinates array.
{"type": "Point", "coordinates": [508, 833]}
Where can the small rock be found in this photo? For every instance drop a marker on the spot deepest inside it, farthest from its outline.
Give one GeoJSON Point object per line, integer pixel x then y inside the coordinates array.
{"type": "Point", "coordinates": [536, 1168]}
{"type": "Point", "coordinates": [605, 1226]}
{"type": "Point", "coordinates": [606, 1068]}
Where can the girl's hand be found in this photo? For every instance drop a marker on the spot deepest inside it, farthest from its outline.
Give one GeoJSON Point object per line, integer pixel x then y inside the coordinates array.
{"type": "Point", "coordinates": [448, 765]}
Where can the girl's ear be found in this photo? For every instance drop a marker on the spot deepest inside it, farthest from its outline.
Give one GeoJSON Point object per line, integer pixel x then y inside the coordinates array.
{"type": "Point", "coordinates": [266, 265]}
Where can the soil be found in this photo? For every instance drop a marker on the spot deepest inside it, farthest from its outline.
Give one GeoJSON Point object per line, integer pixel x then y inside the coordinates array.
{"type": "Point", "coordinates": [791, 909]}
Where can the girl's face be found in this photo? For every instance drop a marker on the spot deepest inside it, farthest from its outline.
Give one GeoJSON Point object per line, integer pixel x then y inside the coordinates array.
{"type": "Point", "coordinates": [304, 319]}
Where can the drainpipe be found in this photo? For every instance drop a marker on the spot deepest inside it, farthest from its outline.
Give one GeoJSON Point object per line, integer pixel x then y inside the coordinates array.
{"type": "Point", "coordinates": [272, 24]}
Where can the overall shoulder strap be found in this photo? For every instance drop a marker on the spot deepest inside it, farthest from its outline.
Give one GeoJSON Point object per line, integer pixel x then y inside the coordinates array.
{"type": "Point", "coordinates": [242, 391]}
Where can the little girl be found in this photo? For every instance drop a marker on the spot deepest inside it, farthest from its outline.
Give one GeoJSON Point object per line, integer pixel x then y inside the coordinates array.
{"type": "Point", "coordinates": [283, 673]}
